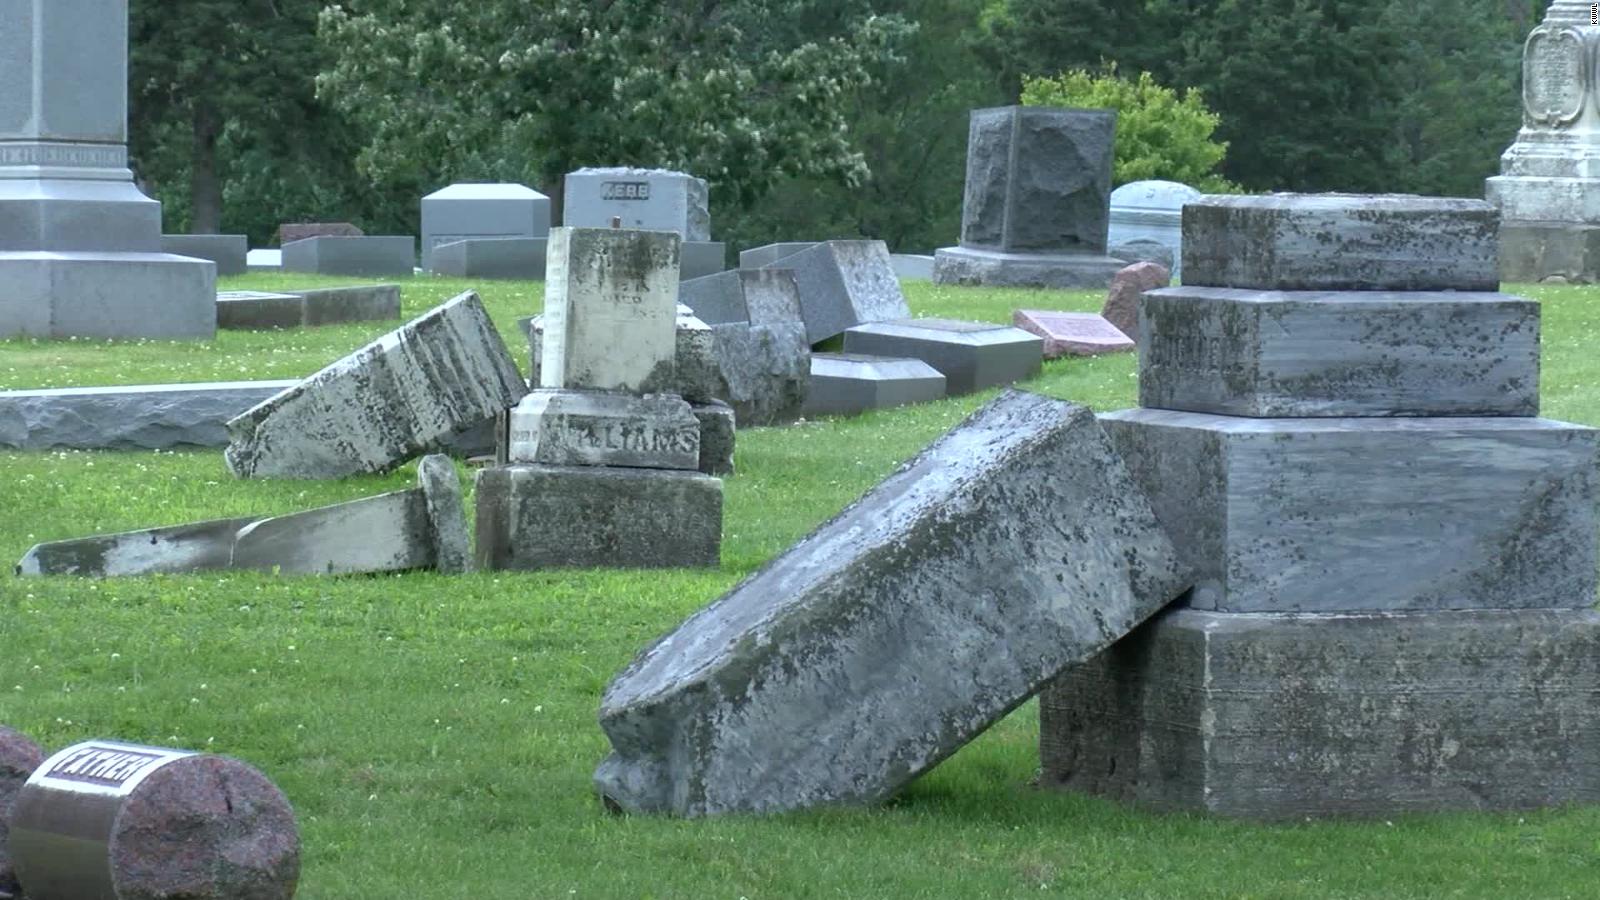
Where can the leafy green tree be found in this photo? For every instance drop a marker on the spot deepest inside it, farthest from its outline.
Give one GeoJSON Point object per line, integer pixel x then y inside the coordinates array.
{"type": "Point", "coordinates": [1160, 133]}
{"type": "Point", "coordinates": [1020, 38]}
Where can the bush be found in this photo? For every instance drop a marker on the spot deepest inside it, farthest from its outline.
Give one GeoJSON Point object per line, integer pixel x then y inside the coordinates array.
{"type": "Point", "coordinates": [1159, 133]}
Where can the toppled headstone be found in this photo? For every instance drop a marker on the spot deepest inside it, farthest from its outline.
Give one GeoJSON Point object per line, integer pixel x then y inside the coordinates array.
{"type": "Point", "coordinates": [716, 298]}
{"type": "Point", "coordinates": [765, 370]}
{"type": "Point", "coordinates": [465, 211]}
{"type": "Point", "coordinates": [371, 255]}
{"type": "Point", "coordinates": [172, 550]}
{"type": "Point", "coordinates": [125, 822]}
{"type": "Point", "coordinates": [844, 383]}
{"type": "Point", "coordinates": [1013, 547]}
{"type": "Point", "coordinates": [128, 417]}
{"type": "Point", "coordinates": [767, 254]}
{"type": "Point", "coordinates": [594, 428]}
{"type": "Point", "coordinates": [610, 310]}
{"type": "Point", "coordinates": [318, 306]}
{"type": "Point", "coordinates": [1121, 308]}
{"type": "Point", "coordinates": [971, 355]}
{"type": "Point", "coordinates": [443, 372]}
{"type": "Point", "coordinates": [19, 756]}
{"type": "Point", "coordinates": [1072, 333]}
{"type": "Point", "coordinates": [843, 284]}
{"type": "Point", "coordinates": [717, 424]}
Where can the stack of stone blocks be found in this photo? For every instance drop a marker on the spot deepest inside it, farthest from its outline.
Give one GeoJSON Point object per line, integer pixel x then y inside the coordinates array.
{"type": "Point", "coordinates": [652, 200]}
{"type": "Point", "coordinates": [603, 457]}
{"type": "Point", "coordinates": [1395, 556]}
{"type": "Point", "coordinates": [485, 231]}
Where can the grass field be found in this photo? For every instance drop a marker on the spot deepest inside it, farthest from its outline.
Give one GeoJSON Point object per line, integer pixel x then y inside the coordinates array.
{"type": "Point", "coordinates": [437, 735]}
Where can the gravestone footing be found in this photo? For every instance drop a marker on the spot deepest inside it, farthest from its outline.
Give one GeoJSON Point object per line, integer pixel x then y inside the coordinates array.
{"type": "Point", "coordinates": [1536, 251]}
{"type": "Point", "coordinates": [991, 268]}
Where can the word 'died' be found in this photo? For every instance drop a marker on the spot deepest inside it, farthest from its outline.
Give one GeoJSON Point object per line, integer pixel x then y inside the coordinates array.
{"type": "Point", "coordinates": [625, 190]}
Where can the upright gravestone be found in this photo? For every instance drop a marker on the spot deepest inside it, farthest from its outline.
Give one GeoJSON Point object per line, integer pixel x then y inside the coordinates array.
{"type": "Point", "coordinates": [466, 211]}
{"type": "Point", "coordinates": [80, 246]}
{"type": "Point", "coordinates": [649, 200]}
{"type": "Point", "coordinates": [1037, 201]}
{"type": "Point", "coordinates": [1548, 189]}
{"type": "Point", "coordinates": [1149, 212]}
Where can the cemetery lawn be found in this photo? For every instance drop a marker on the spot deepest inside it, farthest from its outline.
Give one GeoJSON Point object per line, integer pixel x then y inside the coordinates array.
{"type": "Point", "coordinates": [436, 735]}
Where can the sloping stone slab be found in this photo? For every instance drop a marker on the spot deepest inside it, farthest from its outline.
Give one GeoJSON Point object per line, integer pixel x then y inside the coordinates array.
{"type": "Point", "coordinates": [1341, 242]}
{"type": "Point", "coordinates": [1361, 514]}
{"type": "Point", "coordinates": [441, 373]}
{"type": "Point", "coordinates": [845, 383]}
{"type": "Point", "coordinates": [386, 533]}
{"type": "Point", "coordinates": [1340, 353]}
{"type": "Point", "coordinates": [971, 355]}
{"type": "Point", "coordinates": [1072, 333]}
{"type": "Point", "coordinates": [172, 550]}
{"type": "Point", "coordinates": [844, 284]}
{"type": "Point", "coordinates": [1285, 717]}
{"type": "Point", "coordinates": [715, 298]}
{"type": "Point", "coordinates": [1013, 547]}
{"type": "Point", "coordinates": [911, 265]}
{"type": "Point", "coordinates": [699, 259]}
{"type": "Point", "coordinates": [130, 417]}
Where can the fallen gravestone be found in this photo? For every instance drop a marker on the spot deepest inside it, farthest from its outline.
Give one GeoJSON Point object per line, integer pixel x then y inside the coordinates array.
{"type": "Point", "coordinates": [1121, 308]}
{"type": "Point", "coordinates": [439, 374]}
{"type": "Point", "coordinates": [846, 383]}
{"type": "Point", "coordinates": [1011, 548]}
{"type": "Point", "coordinates": [971, 355]}
{"type": "Point", "coordinates": [765, 370]}
{"type": "Point", "coordinates": [843, 284]}
{"type": "Point", "coordinates": [1072, 333]}
{"type": "Point", "coordinates": [169, 550]}
{"type": "Point", "coordinates": [18, 758]}
{"type": "Point", "coordinates": [128, 417]}
{"type": "Point", "coordinates": [116, 821]}
{"type": "Point", "coordinates": [767, 254]}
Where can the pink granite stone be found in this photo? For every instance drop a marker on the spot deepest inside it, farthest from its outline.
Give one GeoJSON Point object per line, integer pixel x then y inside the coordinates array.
{"type": "Point", "coordinates": [1071, 334]}
{"type": "Point", "coordinates": [1122, 300]}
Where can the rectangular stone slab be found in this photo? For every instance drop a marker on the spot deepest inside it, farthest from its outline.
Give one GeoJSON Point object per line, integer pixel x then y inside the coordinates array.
{"type": "Point", "coordinates": [610, 305]}
{"type": "Point", "coordinates": [1011, 548]}
{"type": "Point", "coordinates": [843, 284]}
{"type": "Point", "coordinates": [410, 389]}
{"type": "Point", "coordinates": [172, 550]}
{"type": "Point", "coordinates": [848, 383]}
{"type": "Point", "coordinates": [591, 428]}
{"type": "Point", "coordinates": [128, 417]}
{"type": "Point", "coordinates": [387, 533]}
{"type": "Point", "coordinates": [1339, 353]}
{"type": "Point", "coordinates": [519, 258]}
{"type": "Point", "coordinates": [1286, 717]}
{"type": "Point", "coordinates": [971, 355]}
{"type": "Point", "coordinates": [1357, 514]}
{"type": "Point", "coordinates": [366, 255]}
{"type": "Point", "coordinates": [1072, 333]}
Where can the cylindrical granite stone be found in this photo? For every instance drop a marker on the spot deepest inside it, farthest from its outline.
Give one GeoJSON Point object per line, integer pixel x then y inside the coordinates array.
{"type": "Point", "coordinates": [1341, 242]}
{"type": "Point", "coordinates": [110, 821]}
{"type": "Point", "coordinates": [19, 756]}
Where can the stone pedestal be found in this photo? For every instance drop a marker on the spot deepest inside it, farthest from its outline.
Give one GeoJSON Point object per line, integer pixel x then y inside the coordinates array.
{"type": "Point", "coordinates": [846, 383]}
{"type": "Point", "coordinates": [1560, 252]}
{"type": "Point", "coordinates": [473, 211]}
{"type": "Point", "coordinates": [80, 246]}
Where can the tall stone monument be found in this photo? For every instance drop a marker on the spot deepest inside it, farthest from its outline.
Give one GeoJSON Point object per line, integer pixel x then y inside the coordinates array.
{"type": "Point", "coordinates": [1038, 200]}
{"type": "Point", "coordinates": [1548, 189]}
{"type": "Point", "coordinates": [80, 246]}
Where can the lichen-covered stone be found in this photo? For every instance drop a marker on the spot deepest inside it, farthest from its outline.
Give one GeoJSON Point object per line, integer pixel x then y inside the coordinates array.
{"type": "Point", "coordinates": [444, 371]}
{"type": "Point", "coordinates": [447, 515]}
{"type": "Point", "coordinates": [19, 756]}
{"type": "Point", "coordinates": [610, 306]}
{"type": "Point", "coordinates": [1038, 180]}
{"type": "Point", "coordinates": [594, 428]}
{"type": "Point", "coordinates": [717, 423]}
{"type": "Point", "coordinates": [170, 550]}
{"type": "Point", "coordinates": [971, 355]}
{"type": "Point", "coordinates": [765, 370]}
{"type": "Point", "coordinates": [879, 645]}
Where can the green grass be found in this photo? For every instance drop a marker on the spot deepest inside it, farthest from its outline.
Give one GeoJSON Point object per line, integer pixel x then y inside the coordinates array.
{"type": "Point", "coordinates": [437, 734]}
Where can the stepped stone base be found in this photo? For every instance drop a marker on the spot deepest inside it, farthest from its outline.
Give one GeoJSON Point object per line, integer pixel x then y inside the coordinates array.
{"type": "Point", "coordinates": [1539, 251]}
{"type": "Point", "coordinates": [1292, 716]}
{"type": "Point", "coordinates": [963, 265]}
{"type": "Point", "coordinates": [971, 355]}
{"type": "Point", "coordinates": [843, 383]}
{"type": "Point", "coordinates": [107, 295]}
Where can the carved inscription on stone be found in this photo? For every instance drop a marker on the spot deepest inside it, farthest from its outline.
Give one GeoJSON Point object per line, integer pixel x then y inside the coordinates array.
{"type": "Point", "coordinates": [79, 155]}
{"type": "Point", "coordinates": [631, 437]}
{"type": "Point", "coordinates": [1555, 78]}
{"type": "Point", "coordinates": [625, 190]}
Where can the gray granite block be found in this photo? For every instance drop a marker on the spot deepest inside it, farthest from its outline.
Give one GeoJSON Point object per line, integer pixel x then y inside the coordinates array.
{"type": "Point", "coordinates": [645, 199]}
{"type": "Point", "coordinates": [317, 306]}
{"type": "Point", "coordinates": [702, 258]}
{"type": "Point", "coordinates": [543, 517]}
{"type": "Point", "coordinates": [911, 265]}
{"type": "Point", "coordinates": [1339, 353]}
{"type": "Point", "coordinates": [123, 295]}
{"type": "Point", "coordinates": [1340, 242]}
{"type": "Point", "coordinates": [1559, 252]}
{"type": "Point", "coordinates": [765, 370]}
{"type": "Point", "coordinates": [132, 417]}
{"type": "Point", "coordinates": [843, 383]}
{"type": "Point", "coordinates": [715, 298]}
{"type": "Point", "coordinates": [245, 310]}
{"type": "Point", "coordinates": [368, 255]}
{"type": "Point", "coordinates": [171, 550]}
{"type": "Point", "coordinates": [1060, 271]}
{"type": "Point", "coordinates": [757, 296]}
{"type": "Point", "coordinates": [513, 258]}
{"type": "Point", "coordinates": [891, 636]}
{"type": "Point", "coordinates": [1284, 717]}
{"type": "Point", "coordinates": [971, 355]}
{"type": "Point", "coordinates": [289, 232]}
{"type": "Point", "coordinates": [767, 254]}
{"type": "Point", "coordinates": [438, 374]}
{"type": "Point", "coordinates": [594, 428]}
{"type": "Point", "coordinates": [226, 250]}
{"type": "Point", "coordinates": [1361, 514]}
{"type": "Point", "coordinates": [843, 284]}
{"type": "Point", "coordinates": [717, 424]}
{"type": "Point", "coordinates": [471, 211]}
{"type": "Point", "coordinates": [386, 533]}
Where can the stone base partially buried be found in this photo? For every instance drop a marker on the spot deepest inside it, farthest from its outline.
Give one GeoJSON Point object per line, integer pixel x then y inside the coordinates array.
{"type": "Point", "coordinates": [539, 517]}
{"type": "Point", "coordinates": [1536, 251]}
{"type": "Point", "coordinates": [964, 265]}
{"type": "Point", "coordinates": [107, 295]}
{"type": "Point", "coordinates": [1268, 716]}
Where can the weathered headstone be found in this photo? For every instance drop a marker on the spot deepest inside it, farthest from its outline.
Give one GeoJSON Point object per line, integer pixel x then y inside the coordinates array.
{"type": "Point", "coordinates": [463, 211]}
{"type": "Point", "coordinates": [717, 425]}
{"type": "Point", "coordinates": [844, 383]}
{"type": "Point", "coordinates": [610, 310]}
{"type": "Point", "coordinates": [591, 428]}
{"type": "Point", "coordinates": [80, 245]}
{"type": "Point", "coordinates": [19, 756]}
{"type": "Point", "coordinates": [371, 255]}
{"type": "Point", "coordinates": [971, 355]}
{"type": "Point", "coordinates": [890, 637]}
{"type": "Point", "coordinates": [228, 251]}
{"type": "Point", "coordinates": [121, 821]}
{"type": "Point", "coordinates": [843, 284]}
{"type": "Point", "coordinates": [767, 254]}
{"type": "Point", "coordinates": [1121, 308]}
{"type": "Point", "coordinates": [128, 417]}
{"type": "Point", "coordinates": [1072, 333]}
{"type": "Point", "coordinates": [443, 372]}
{"type": "Point", "coordinates": [1037, 200]}
{"type": "Point", "coordinates": [1151, 211]}
{"type": "Point", "coordinates": [173, 550]}
{"type": "Point", "coordinates": [765, 370]}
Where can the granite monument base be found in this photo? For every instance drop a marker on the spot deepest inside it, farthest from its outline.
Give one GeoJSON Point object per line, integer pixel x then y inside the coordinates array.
{"type": "Point", "coordinates": [967, 266]}
{"type": "Point", "coordinates": [1549, 251]}
{"type": "Point", "coordinates": [845, 383]}
{"type": "Point", "coordinates": [971, 355]}
{"type": "Point", "coordinates": [370, 255]}
{"type": "Point", "coordinates": [107, 295]}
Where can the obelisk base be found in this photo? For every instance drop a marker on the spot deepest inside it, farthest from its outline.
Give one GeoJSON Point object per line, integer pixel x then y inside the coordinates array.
{"type": "Point", "coordinates": [107, 295]}
{"type": "Point", "coordinates": [1549, 251]}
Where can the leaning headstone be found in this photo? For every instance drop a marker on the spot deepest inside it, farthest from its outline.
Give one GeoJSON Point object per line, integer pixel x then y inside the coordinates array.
{"type": "Point", "coordinates": [80, 245]}
{"type": "Point", "coordinates": [519, 258]}
{"type": "Point", "coordinates": [843, 284]}
{"type": "Point", "coordinates": [1072, 333]}
{"type": "Point", "coordinates": [373, 255]}
{"type": "Point", "coordinates": [610, 310]}
{"type": "Point", "coordinates": [19, 756]}
{"type": "Point", "coordinates": [882, 643]}
{"type": "Point", "coordinates": [1037, 200]}
{"type": "Point", "coordinates": [228, 251]}
{"type": "Point", "coordinates": [767, 254]}
{"type": "Point", "coordinates": [464, 211]}
{"type": "Point", "coordinates": [846, 383]}
{"type": "Point", "coordinates": [299, 231]}
{"type": "Point", "coordinates": [443, 372]}
{"type": "Point", "coordinates": [1151, 211]}
{"type": "Point", "coordinates": [971, 355]}
{"type": "Point", "coordinates": [121, 821]}
{"type": "Point", "coordinates": [1121, 308]}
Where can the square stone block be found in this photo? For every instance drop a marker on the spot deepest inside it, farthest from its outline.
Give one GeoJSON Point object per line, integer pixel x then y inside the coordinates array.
{"type": "Point", "coordinates": [1339, 353]}
{"type": "Point", "coordinates": [1062, 271]}
{"type": "Point", "coordinates": [107, 295]}
{"type": "Point", "coordinates": [381, 255]}
{"type": "Point", "coordinates": [1072, 333]}
{"type": "Point", "coordinates": [1284, 717]}
{"type": "Point", "coordinates": [1038, 180]}
{"type": "Point", "coordinates": [515, 258]}
{"type": "Point", "coordinates": [226, 250]}
{"type": "Point", "coordinates": [544, 517]}
{"type": "Point", "coordinates": [851, 383]}
{"type": "Point", "coordinates": [467, 211]}
{"type": "Point", "coordinates": [701, 258]}
{"type": "Point", "coordinates": [843, 284]}
{"type": "Point", "coordinates": [1363, 514]}
{"type": "Point", "coordinates": [646, 199]}
{"type": "Point", "coordinates": [971, 355]}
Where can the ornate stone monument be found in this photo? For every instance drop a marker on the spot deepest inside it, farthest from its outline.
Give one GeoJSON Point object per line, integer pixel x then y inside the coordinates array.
{"type": "Point", "coordinates": [1038, 200]}
{"type": "Point", "coordinates": [80, 246]}
{"type": "Point", "coordinates": [1548, 189]}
